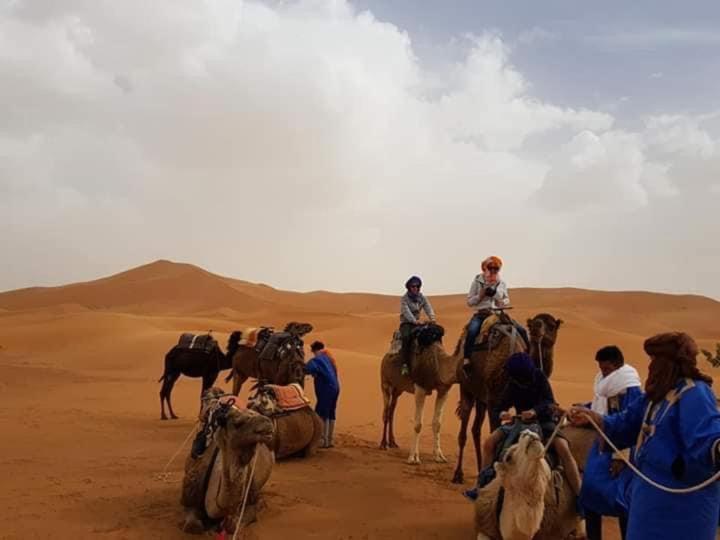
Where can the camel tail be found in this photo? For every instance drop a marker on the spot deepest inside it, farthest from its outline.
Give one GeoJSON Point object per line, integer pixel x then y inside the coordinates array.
{"type": "Point", "coordinates": [458, 408]}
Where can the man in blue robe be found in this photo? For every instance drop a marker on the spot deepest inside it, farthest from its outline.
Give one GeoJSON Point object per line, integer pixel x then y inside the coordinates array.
{"type": "Point", "coordinates": [327, 389]}
{"type": "Point", "coordinates": [676, 431]}
{"type": "Point", "coordinates": [604, 477]}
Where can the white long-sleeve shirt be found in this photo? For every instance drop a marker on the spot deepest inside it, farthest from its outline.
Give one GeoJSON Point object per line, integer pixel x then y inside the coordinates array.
{"type": "Point", "coordinates": [477, 301]}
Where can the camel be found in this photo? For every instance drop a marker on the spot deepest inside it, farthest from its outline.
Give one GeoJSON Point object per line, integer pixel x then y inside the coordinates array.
{"type": "Point", "coordinates": [526, 500]}
{"type": "Point", "coordinates": [193, 356]}
{"type": "Point", "coordinates": [285, 368]}
{"type": "Point", "coordinates": [298, 432]}
{"type": "Point", "coordinates": [215, 483]}
{"type": "Point", "coordinates": [432, 369]}
{"type": "Point", "coordinates": [483, 388]}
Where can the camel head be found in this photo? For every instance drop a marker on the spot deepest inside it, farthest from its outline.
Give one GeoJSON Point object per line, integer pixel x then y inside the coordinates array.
{"type": "Point", "coordinates": [525, 475]}
{"type": "Point", "coordinates": [544, 327]}
{"type": "Point", "coordinates": [239, 430]}
{"type": "Point", "coordinates": [291, 362]}
{"type": "Point", "coordinates": [298, 329]}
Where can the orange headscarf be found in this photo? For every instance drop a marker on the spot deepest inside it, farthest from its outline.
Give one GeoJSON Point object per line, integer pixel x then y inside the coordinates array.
{"type": "Point", "coordinates": [490, 277]}
{"type": "Point", "coordinates": [492, 259]}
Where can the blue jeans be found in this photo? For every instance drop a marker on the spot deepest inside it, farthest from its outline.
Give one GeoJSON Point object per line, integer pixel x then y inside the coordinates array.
{"type": "Point", "coordinates": [472, 334]}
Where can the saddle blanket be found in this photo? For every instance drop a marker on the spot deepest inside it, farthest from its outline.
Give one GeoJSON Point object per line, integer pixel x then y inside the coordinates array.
{"type": "Point", "coordinates": [487, 324]}
{"type": "Point", "coordinates": [289, 398]}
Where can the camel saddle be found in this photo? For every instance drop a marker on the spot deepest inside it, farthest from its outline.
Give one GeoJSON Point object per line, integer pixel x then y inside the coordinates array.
{"type": "Point", "coordinates": [204, 342]}
{"type": "Point", "coordinates": [270, 347]}
{"type": "Point", "coordinates": [288, 398]}
{"type": "Point", "coordinates": [256, 338]}
{"type": "Point", "coordinates": [493, 329]}
{"type": "Point", "coordinates": [395, 343]}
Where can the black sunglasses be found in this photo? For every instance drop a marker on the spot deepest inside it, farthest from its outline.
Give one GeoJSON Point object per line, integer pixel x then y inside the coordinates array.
{"type": "Point", "coordinates": [493, 269]}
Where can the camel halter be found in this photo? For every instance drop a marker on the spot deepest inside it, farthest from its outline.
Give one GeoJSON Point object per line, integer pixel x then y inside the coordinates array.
{"type": "Point", "coordinates": [540, 354]}
{"type": "Point", "coordinates": [680, 491]}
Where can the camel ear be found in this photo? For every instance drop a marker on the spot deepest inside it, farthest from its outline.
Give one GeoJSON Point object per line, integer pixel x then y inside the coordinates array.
{"type": "Point", "coordinates": [500, 468]}
{"type": "Point", "coordinates": [558, 323]}
{"type": "Point", "coordinates": [529, 321]}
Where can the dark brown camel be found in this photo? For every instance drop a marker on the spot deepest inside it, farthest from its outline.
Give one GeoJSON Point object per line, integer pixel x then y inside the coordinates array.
{"type": "Point", "coordinates": [286, 367]}
{"type": "Point", "coordinates": [483, 388]}
{"type": "Point", "coordinates": [206, 361]}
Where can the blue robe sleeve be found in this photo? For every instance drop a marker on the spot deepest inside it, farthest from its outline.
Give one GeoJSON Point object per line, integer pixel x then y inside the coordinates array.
{"type": "Point", "coordinates": [631, 394]}
{"type": "Point", "coordinates": [699, 422]}
{"type": "Point", "coordinates": [623, 427]}
{"type": "Point", "coordinates": [311, 368]}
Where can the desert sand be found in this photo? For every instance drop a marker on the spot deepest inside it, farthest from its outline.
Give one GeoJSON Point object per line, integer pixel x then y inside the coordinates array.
{"type": "Point", "coordinates": [82, 442]}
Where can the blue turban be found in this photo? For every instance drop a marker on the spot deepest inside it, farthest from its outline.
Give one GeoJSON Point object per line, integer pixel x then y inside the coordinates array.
{"type": "Point", "coordinates": [414, 280]}
{"type": "Point", "coordinates": [520, 366]}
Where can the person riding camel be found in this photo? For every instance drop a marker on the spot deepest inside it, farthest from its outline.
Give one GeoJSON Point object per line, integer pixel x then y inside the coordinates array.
{"type": "Point", "coordinates": [528, 391]}
{"type": "Point", "coordinates": [412, 304]}
{"type": "Point", "coordinates": [487, 291]}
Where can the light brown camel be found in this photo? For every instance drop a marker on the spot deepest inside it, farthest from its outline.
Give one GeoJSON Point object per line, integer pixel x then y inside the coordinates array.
{"type": "Point", "coordinates": [215, 483]}
{"type": "Point", "coordinates": [285, 368]}
{"type": "Point", "coordinates": [431, 369]}
{"type": "Point", "coordinates": [486, 382]}
{"type": "Point", "coordinates": [297, 432]}
{"type": "Point", "coordinates": [536, 504]}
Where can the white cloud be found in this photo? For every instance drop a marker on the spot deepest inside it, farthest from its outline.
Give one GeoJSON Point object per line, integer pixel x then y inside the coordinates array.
{"type": "Point", "coordinates": [597, 171]}
{"type": "Point", "coordinates": [296, 131]}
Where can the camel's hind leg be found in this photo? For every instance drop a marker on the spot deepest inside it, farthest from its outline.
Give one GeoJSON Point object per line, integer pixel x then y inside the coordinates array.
{"type": "Point", "coordinates": [440, 402]}
{"type": "Point", "coordinates": [391, 425]}
{"type": "Point", "coordinates": [463, 412]}
{"type": "Point", "coordinates": [414, 457]}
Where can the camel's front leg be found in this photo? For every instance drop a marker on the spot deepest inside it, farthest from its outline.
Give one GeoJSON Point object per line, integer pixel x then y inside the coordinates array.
{"type": "Point", "coordinates": [420, 395]}
{"type": "Point", "coordinates": [440, 401]}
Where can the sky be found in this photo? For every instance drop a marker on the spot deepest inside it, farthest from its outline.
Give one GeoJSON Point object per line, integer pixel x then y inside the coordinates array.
{"type": "Point", "coordinates": [345, 145]}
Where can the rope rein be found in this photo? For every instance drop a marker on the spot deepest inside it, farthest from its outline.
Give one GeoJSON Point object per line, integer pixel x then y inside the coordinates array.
{"type": "Point", "coordinates": [238, 523]}
{"type": "Point", "coordinates": [551, 438]}
{"type": "Point", "coordinates": [681, 491]}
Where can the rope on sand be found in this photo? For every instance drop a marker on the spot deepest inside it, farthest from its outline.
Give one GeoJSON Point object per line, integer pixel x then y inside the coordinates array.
{"type": "Point", "coordinates": [164, 474]}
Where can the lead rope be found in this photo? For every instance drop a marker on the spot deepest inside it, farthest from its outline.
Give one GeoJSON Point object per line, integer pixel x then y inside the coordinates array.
{"type": "Point", "coordinates": [164, 474]}
{"type": "Point", "coordinates": [681, 491]}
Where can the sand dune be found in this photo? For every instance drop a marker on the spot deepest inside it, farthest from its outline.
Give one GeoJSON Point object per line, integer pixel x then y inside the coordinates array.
{"type": "Point", "coordinates": [78, 400]}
